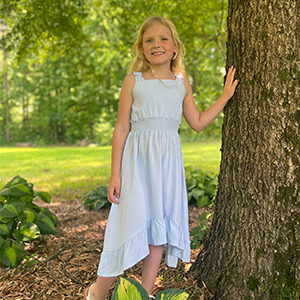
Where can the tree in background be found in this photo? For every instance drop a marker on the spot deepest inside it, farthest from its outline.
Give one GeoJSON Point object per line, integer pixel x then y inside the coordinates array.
{"type": "Point", "coordinates": [33, 30]}
{"type": "Point", "coordinates": [67, 60]}
{"type": "Point", "coordinates": [253, 248]}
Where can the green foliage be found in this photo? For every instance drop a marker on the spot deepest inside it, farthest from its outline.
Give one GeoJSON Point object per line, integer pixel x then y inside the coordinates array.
{"type": "Point", "coordinates": [127, 288]}
{"type": "Point", "coordinates": [96, 199]}
{"type": "Point", "coordinates": [172, 294]}
{"type": "Point", "coordinates": [30, 260]}
{"type": "Point", "coordinates": [289, 293]}
{"type": "Point", "coordinates": [66, 65]}
{"type": "Point", "coordinates": [50, 24]}
{"type": "Point", "coordinates": [201, 189]}
{"type": "Point", "coordinates": [198, 232]}
{"type": "Point", "coordinates": [287, 288]}
{"type": "Point", "coordinates": [21, 220]}
{"type": "Point", "coordinates": [201, 186]}
{"type": "Point", "coordinates": [253, 283]}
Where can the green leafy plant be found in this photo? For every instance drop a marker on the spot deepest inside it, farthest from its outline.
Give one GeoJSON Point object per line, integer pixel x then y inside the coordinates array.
{"type": "Point", "coordinates": [201, 186]}
{"type": "Point", "coordinates": [163, 278]}
{"type": "Point", "coordinates": [128, 288]}
{"type": "Point", "coordinates": [198, 232]}
{"type": "Point", "coordinates": [21, 220]}
{"type": "Point", "coordinates": [30, 260]}
{"type": "Point", "coordinates": [96, 199]}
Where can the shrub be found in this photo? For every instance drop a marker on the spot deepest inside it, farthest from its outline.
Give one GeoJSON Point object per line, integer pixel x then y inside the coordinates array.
{"type": "Point", "coordinates": [21, 220]}
{"type": "Point", "coordinates": [201, 189]}
{"type": "Point", "coordinates": [127, 288]}
{"type": "Point", "coordinates": [201, 186]}
{"type": "Point", "coordinates": [198, 232]}
{"type": "Point", "coordinates": [96, 199]}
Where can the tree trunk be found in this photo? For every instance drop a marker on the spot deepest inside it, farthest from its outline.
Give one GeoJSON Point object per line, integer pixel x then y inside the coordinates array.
{"type": "Point", "coordinates": [25, 116]}
{"type": "Point", "coordinates": [7, 107]}
{"type": "Point", "coordinates": [253, 249]}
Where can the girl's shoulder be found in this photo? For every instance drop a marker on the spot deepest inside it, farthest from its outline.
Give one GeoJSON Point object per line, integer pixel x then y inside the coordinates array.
{"type": "Point", "coordinates": [187, 84]}
{"type": "Point", "coordinates": [128, 82]}
{"type": "Point", "coordinates": [129, 79]}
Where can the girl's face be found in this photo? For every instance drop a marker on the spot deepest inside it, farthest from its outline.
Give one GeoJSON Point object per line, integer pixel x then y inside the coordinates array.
{"type": "Point", "coordinates": [158, 45]}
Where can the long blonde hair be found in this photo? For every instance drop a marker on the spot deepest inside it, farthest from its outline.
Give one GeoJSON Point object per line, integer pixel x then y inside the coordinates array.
{"type": "Point", "coordinates": [140, 63]}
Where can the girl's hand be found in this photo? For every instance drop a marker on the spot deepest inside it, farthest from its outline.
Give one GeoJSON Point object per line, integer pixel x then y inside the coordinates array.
{"type": "Point", "coordinates": [230, 83]}
{"type": "Point", "coordinates": [113, 189]}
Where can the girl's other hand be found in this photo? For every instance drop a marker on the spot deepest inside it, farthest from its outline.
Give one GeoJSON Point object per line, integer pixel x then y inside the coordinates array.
{"type": "Point", "coordinates": [230, 83]}
{"type": "Point", "coordinates": [113, 189]}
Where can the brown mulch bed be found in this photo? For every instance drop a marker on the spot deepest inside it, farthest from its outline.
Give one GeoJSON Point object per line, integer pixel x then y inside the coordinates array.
{"type": "Point", "coordinates": [63, 265]}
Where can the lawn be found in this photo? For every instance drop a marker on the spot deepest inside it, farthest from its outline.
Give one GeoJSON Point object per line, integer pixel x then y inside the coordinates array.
{"type": "Point", "coordinates": [69, 172]}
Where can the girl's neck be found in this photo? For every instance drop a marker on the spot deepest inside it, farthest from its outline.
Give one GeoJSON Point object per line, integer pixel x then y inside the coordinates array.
{"type": "Point", "coordinates": [159, 73]}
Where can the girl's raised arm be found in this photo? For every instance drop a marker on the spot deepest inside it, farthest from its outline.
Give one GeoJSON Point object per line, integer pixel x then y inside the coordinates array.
{"type": "Point", "coordinates": [198, 121]}
{"type": "Point", "coordinates": [119, 137]}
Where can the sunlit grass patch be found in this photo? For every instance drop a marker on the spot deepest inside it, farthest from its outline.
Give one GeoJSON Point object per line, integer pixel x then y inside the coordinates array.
{"type": "Point", "coordinates": [69, 172]}
{"type": "Point", "coordinates": [203, 155]}
{"type": "Point", "coordinates": [64, 172]}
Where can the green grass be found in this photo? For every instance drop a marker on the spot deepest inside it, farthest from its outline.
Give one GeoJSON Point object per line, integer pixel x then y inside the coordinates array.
{"type": "Point", "coordinates": [203, 155]}
{"type": "Point", "coordinates": [69, 172]}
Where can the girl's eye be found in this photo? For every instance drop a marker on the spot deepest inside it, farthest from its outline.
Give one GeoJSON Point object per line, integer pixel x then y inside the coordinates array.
{"type": "Point", "coordinates": [164, 39]}
{"type": "Point", "coordinates": [148, 41]}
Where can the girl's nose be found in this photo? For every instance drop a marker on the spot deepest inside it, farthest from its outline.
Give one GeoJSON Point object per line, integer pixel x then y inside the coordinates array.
{"type": "Point", "coordinates": [156, 44]}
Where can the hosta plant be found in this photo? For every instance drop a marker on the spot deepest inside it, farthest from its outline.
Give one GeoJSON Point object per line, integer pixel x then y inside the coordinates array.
{"type": "Point", "coordinates": [21, 220]}
{"type": "Point", "coordinates": [129, 289]}
{"type": "Point", "coordinates": [201, 186]}
{"type": "Point", "coordinates": [96, 199]}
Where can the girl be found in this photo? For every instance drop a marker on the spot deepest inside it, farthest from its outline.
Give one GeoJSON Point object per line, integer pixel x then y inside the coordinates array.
{"type": "Point", "coordinates": [147, 186]}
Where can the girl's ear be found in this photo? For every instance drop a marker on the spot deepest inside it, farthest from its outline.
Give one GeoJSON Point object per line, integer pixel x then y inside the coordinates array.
{"type": "Point", "coordinates": [175, 49]}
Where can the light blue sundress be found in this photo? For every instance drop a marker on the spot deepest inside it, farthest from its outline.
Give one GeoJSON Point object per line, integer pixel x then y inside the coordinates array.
{"type": "Point", "coordinates": [153, 206]}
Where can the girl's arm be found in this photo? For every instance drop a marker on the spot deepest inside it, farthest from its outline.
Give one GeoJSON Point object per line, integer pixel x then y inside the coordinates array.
{"type": "Point", "coordinates": [119, 137]}
{"type": "Point", "coordinates": [198, 121]}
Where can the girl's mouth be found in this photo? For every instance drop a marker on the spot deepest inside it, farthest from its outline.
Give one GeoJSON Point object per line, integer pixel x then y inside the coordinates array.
{"type": "Point", "coordinates": [157, 53]}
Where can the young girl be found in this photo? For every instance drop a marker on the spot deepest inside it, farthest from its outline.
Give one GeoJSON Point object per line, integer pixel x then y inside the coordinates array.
{"type": "Point", "coordinates": [147, 187]}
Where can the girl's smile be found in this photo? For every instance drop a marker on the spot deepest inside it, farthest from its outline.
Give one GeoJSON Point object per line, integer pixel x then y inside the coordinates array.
{"type": "Point", "coordinates": [157, 53]}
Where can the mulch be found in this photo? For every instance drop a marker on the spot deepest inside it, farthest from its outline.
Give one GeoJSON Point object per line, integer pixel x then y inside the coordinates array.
{"type": "Point", "coordinates": [60, 267]}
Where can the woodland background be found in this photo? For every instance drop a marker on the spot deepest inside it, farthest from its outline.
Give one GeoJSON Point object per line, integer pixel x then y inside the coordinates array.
{"type": "Point", "coordinates": [62, 64]}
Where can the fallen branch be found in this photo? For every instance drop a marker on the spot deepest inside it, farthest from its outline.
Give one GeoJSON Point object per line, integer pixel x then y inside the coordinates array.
{"type": "Point", "coordinates": [70, 276]}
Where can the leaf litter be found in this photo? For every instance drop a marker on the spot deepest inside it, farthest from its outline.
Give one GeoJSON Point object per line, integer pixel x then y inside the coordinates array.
{"type": "Point", "coordinates": [60, 267]}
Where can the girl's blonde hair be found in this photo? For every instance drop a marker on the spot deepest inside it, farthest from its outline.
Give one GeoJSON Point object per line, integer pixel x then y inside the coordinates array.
{"type": "Point", "coordinates": [140, 63]}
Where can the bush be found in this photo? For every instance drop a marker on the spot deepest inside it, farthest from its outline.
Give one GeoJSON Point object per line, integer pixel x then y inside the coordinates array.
{"type": "Point", "coordinates": [96, 199]}
{"type": "Point", "coordinates": [201, 189]}
{"type": "Point", "coordinates": [201, 186]}
{"type": "Point", "coordinates": [21, 220]}
{"type": "Point", "coordinates": [198, 232]}
{"type": "Point", "coordinates": [127, 288]}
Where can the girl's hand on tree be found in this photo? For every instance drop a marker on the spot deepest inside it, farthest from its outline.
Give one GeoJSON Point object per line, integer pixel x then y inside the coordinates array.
{"type": "Point", "coordinates": [113, 189]}
{"type": "Point", "coordinates": [230, 83]}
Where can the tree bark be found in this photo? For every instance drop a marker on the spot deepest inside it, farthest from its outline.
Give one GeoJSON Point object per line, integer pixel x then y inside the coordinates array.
{"type": "Point", "coordinates": [7, 106]}
{"type": "Point", "coordinates": [253, 249]}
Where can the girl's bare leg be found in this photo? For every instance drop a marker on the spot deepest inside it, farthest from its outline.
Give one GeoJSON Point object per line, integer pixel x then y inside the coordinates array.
{"type": "Point", "coordinates": [151, 265]}
{"type": "Point", "coordinates": [101, 287]}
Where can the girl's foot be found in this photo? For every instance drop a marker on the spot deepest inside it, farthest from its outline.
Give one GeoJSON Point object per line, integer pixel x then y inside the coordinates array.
{"type": "Point", "coordinates": [87, 292]}
{"type": "Point", "coordinates": [151, 297]}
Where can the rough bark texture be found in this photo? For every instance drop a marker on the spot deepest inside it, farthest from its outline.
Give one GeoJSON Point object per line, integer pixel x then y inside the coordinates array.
{"type": "Point", "coordinates": [253, 250]}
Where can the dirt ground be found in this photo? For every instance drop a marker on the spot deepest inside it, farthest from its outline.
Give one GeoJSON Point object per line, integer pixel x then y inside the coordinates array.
{"type": "Point", "coordinates": [61, 266]}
